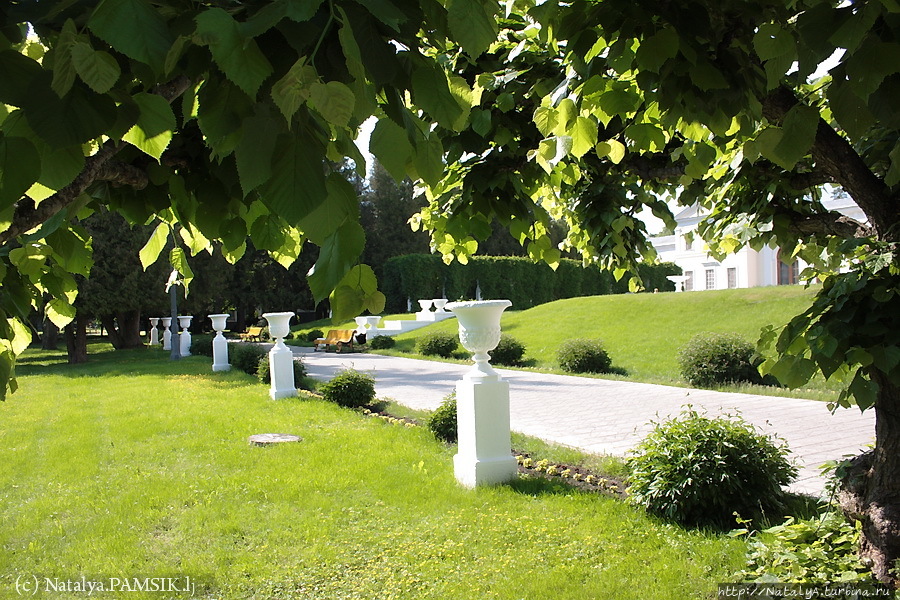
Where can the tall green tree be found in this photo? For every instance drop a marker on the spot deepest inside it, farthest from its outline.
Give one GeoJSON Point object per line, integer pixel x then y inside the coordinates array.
{"type": "Point", "coordinates": [385, 211]}
{"type": "Point", "coordinates": [224, 120]}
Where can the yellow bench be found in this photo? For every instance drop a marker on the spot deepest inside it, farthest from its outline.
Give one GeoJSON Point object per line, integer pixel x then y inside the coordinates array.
{"type": "Point", "coordinates": [336, 337]}
{"type": "Point", "coordinates": [252, 334]}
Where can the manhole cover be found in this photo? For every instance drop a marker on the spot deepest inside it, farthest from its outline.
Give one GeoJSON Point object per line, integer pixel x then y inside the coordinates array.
{"type": "Point", "coordinates": [265, 439]}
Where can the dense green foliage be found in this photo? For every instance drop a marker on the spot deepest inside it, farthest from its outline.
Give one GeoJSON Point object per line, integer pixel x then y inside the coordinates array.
{"type": "Point", "coordinates": [698, 470]}
{"type": "Point", "coordinates": [262, 371]}
{"type": "Point", "coordinates": [349, 388]}
{"type": "Point", "coordinates": [382, 342]}
{"type": "Point", "coordinates": [437, 343]}
{"type": "Point", "coordinates": [202, 345]}
{"type": "Point", "coordinates": [583, 356]}
{"type": "Point", "coordinates": [509, 351]}
{"type": "Point", "coordinates": [315, 334]}
{"type": "Point", "coordinates": [821, 550]}
{"type": "Point", "coordinates": [246, 357]}
{"type": "Point", "coordinates": [442, 422]}
{"type": "Point", "coordinates": [711, 359]}
{"type": "Point", "coordinates": [523, 281]}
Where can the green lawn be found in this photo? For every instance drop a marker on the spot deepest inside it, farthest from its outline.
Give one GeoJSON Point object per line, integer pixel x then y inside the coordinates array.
{"type": "Point", "coordinates": [133, 465]}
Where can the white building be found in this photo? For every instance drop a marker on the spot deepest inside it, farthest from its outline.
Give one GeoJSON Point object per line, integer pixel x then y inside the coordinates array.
{"type": "Point", "coordinates": [743, 269]}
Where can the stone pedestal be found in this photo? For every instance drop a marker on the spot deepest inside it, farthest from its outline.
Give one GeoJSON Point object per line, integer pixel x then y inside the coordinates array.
{"type": "Point", "coordinates": [482, 414]}
{"type": "Point", "coordinates": [281, 359]}
{"type": "Point", "coordinates": [167, 333]}
{"type": "Point", "coordinates": [154, 332]}
{"type": "Point", "coordinates": [220, 344]}
{"type": "Point", "coordinates": [185, 322]}
{"type": "Point", "coordinates": [482, 400]}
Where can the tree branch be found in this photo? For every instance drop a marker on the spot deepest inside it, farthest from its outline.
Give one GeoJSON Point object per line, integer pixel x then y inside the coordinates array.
{"type": "Point", "coordinates": [27, 216]}
{"type": "Point", "coordinates": [836, 159]}
{"type": "Point", "coordinates": [830, 223]}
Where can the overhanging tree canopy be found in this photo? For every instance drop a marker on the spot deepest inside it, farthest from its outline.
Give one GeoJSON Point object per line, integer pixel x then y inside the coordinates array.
{"type": "Point", "coordinates": [226, 117]}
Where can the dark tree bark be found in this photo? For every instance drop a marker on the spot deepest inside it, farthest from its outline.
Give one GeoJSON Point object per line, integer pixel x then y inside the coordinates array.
{"type": "Point", "coordinates": [871, 488]}
{"type": "Point", "coordinates": [76, 340]}
{"type": "Point", "coordinates": [123, 329]}
{"type": "Point", "coordinates": [50, 337]}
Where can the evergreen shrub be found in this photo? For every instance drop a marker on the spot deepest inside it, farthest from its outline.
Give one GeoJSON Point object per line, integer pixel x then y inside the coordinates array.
{"type": "Point", "coordinates": [262, 371]}
{"type": "Point", "coordinates": [382, 342]}
{"type": "Point", "coordinates": [202, 345]}
{"type": "Point", "coordinates": [711, 359]}
{"type": "Point", "coordinates": [245, 357]}
{"type": "Point", "coordinates": [509, 351]}
{"type": "Point", "coordinates": [442, 421]}
{"type": "Point", "coordinates": [350, 388]}
{"type": "Point", "coordinates": [583, 356]}
{"type": "Point", "coordinates": [438, 344]}
{"type": "Point", "coordinates": [315, 334]}
{"type": "Point", "coordinates": [700, 471]}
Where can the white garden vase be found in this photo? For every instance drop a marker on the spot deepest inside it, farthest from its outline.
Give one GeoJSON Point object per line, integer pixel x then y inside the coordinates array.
{"type": "Point", "coordinates": [439, 304]}
{"type": "Point", "coordinates": [154, 332]}
{"type": "Point", "coordinates": [281, 359]}
{"type": "Point", "coordinates": [167, 333]}
{"type": "Point", "coordinates": [219, 343]}
{"type": "Point", "coordinates": [482, 400]}
{"type": "Point", "coordinates": [185, 322]}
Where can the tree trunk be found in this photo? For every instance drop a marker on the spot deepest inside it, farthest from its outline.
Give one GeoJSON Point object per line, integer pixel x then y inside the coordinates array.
{"type": "Point", "coordinates": [76, 340]}
{"type": "Point", "coordinates": [871, 488]}
{"type": "Point", "coordinates": [50, 337]}
{"type": "Point", "coordinates": [130, 329]}
{"type": "Point", "coordinates": [108, 322]}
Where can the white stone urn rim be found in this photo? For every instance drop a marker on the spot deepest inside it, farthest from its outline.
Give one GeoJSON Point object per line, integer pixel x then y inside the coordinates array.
{"type": "Point", "coordinates": [476, 303]}
{"type": "Point", "coordinates": [220, 315]}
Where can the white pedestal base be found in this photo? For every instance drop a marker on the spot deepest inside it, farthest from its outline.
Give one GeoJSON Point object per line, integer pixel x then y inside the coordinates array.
{"type": "Point", "coordinates": [484, 456]}
{"type": "Point", "coordinates": [220, 353]}
{"type": "Point", "coordinates": [281, 372]}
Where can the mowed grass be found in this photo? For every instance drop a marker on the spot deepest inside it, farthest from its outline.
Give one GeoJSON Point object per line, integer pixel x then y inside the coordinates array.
{"type": "Point", "coordinates": [643, 333]}
{"type": "Point", "coordinates": [133, 465]}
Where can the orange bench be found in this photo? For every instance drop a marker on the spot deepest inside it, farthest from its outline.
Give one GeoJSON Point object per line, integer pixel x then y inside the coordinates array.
{"type": "Point", "coordinates": [336, 337]}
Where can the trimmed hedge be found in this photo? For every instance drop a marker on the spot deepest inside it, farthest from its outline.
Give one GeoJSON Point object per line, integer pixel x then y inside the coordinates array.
{"type": "Point", "coordinates": [712, 359]}
{"type": "Point", "coordinates": [523, 281]}
{"type": "Point", "coordinates": [442, 421]}
{"type": "Point", "coordinates": [583, 356]}
{"type": "Point", "coordinates": [509, 351]}
{"type": "Point", "coordinates": [438, 344]}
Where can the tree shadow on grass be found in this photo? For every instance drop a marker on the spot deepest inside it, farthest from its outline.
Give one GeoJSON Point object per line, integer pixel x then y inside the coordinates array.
{"type": "Point", "coordinates": [542, 486]}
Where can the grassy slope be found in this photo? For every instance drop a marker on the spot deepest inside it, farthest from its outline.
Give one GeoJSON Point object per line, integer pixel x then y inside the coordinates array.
{"type": "Point", "coordinates": [135, 465]}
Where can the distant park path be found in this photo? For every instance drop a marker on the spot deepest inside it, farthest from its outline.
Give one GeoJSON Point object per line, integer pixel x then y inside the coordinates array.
{"type": "Point", "coordinates": [611, 417]}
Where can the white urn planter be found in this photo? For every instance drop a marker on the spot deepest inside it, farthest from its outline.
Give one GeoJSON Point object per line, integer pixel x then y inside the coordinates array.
{"type": "Point", "coordinates": [281, 359]}
{"type": "Point", "coordinates": [154, 332]}
{"type": "Point", "coordinates": [167, 333]}
{"type": "Point", "coordinates": [678, 280]}
{"type": "Point", "coordinates": [439, 304]}
{"type": "Point", "coordinates": [482, 400]}
{"type": "Point", "coordinates": [219, 343]}
{"type": "Point", "coordinates": [185, 322]}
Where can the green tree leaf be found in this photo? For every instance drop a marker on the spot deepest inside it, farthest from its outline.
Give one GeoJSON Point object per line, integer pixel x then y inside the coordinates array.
{"type": "Point", "coordinates": [20, 167]}
{"type": "Point", "coordinates": [431, 92]}
{"type": "Point", "coordinates": [472, 24]}
{"type": "Point", "coordinates": [391, 147]}
{"type": "Point", "coordinates": [151, 250]}
{"type": "Point", "coordinates": [341, 205]}
{"type": "Point", "coordinates": [79, 117]}
{"type": "Point", "coordinates": [60, 312]}
{"type": "Point", "coordinates": [646, 136]}
{"type": "Point", "coordinates": [336, 256]}
{"type": "Point", "coordinates": [99, 70]}
{"type": "Point", "coordinates": [239, 58]}
{"type": "Point", "coordinates": [153, 130]}
{"type": "Point", "coordinates": [297, 185]}
{"type": "Point", "coordinates": [266, 233]}
{"type": "Point", "coordinates": [798, 134]}
{"type": "Point", "coordinates": [133, 28]}
{"type": "Point", "coordinates": [614, 149]}
{"type": "Point", "coordinates": [429, 160]}
{"type": "Point", "coordinates": [657, 49]}
{"type": "Point", "coordinates": [255, 151]}
{"type": "Point", "coordinates": [849, 110]}
{"type": "Point", "coordinates": [293, 90]}
{"type": "Point", "coordinates": [333, 100]}
{"type": "Point", "coordinates": [772, 41]}
{"type": "Point", "coordinates": [584, 136]}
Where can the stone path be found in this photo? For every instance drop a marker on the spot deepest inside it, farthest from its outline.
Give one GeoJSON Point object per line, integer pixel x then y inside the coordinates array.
{"type": "Point", "coordinates": [611, 417]}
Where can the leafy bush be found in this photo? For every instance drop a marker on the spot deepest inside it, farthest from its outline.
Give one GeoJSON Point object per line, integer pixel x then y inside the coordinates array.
{"type": "Point", "coordinates": [820, 551]}
{"type": "Point", "coordinates": [350, 388]}
{"type": "Point", "coordinates": [201, 345]}
{"type": "Point", "coordinates": [262, 371]}
{"type": "Point", "coordinates": [382, 342]}
{"type": "Point", "coordinates": [509, 351]}
{"type": "Point", "coordinates": [583, 356]}
{"type": "Point", "coordinates": [315, 334]}
{"type": "Point", "coordinates": [245, 357]}
{"type": "Point", "coordinates": [442, 421]}
{"type": "Point", "coordinates": [438, 344]}
{"type": "Point", "coordinates": [700, 471]}
{"type": "Point", "coordinates": [711, 359]}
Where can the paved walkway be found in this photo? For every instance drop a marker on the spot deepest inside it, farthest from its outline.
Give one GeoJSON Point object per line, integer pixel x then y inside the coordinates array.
{"type": "Point", "coordinates": [611, 417]}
